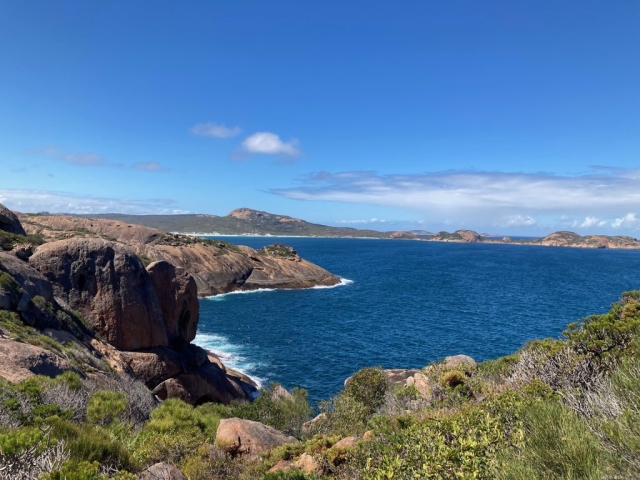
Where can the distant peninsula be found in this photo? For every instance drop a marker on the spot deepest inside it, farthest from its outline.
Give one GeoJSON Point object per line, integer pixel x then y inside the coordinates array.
{"type": "Point", "coordinates": [246, 221]}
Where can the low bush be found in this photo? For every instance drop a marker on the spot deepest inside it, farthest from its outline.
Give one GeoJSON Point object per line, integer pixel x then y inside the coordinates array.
{"type": "Point", "coordinates": [104, 407]}
{"type": "Point", "coordinates": [557, 444]}
{"type": "Point", "coordinates": [368, 387]}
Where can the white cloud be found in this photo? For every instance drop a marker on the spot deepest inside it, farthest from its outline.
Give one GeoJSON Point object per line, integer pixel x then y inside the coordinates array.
{"type": "Point", "coordinates": [215, 130]}
{"type": "Point", "coordinates": [629, 221]}
{"type": "Point", "coordinates": [518, 221]}
{"type": "Point", "coordinates": [64, 202]}
{"type": "Point", "coordinates": [589, 222]}
{"type": "Point", "coordinates": [270, 144]}
{"type": "Point", "coordinates": [149, 167]}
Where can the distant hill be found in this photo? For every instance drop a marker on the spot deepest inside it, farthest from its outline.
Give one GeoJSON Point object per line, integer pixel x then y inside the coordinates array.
{"type": "Point", "coordinates": [245, 221]}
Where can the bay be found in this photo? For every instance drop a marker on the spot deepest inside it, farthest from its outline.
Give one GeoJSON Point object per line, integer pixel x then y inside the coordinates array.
{"type": "Point", "coordinates": [405, 304]}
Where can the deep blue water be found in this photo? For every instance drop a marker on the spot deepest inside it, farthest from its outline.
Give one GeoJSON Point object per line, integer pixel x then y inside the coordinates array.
{"type": "Point", "coordinates": [410, 303]}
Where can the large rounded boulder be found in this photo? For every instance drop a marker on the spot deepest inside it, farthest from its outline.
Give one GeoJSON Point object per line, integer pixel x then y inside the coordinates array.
{"type": "Point", "coordinates": [178, 294]}
{"type": "Point", "coordinates": [109, 286]}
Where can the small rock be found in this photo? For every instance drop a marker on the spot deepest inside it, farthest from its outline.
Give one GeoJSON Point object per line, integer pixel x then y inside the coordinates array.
{"type": "Point", "coordinates": [162, 471]}
{"type": "Point", "coordinates": [368, 435]}
{"type": "Point", "coordinates": [308, 464]}
{"type": "Point", "coordinates": [281, 466]}
{"type": "Point", "coordinates": [457, 361]}
{"type": "Point", "coordinates": [423, 385]}
{"type": "Point", "coordinates": [346, 442]}
{"type": "Point", "coordinates": [238, 436]}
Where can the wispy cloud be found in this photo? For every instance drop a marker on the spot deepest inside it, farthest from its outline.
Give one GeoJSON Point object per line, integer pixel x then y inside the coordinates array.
{"type": "Point", "coordinates": [91, 159]}
{"type": "Point", "coordinates": [355, 222]}
{"type": "Point", "coordinates": [86, 159]}
{"type": "Point", "coordinates": [498, 198]}
{"type": "Point", "coordinates": [149, 167]}
{"type": "Point", "coordinates": [64, 202]}
{"type": "Point", "coordinates": [216, 130]}
{"type": "Point", "coordinates": [270, 144]}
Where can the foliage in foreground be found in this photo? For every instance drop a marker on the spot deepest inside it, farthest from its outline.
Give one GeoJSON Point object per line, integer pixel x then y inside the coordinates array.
{"type": "Point", "coordinates": [565, 408]}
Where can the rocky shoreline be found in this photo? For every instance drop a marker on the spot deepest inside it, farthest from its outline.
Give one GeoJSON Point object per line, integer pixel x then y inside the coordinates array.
{"type": "Point", "coordinates": [99, 297]}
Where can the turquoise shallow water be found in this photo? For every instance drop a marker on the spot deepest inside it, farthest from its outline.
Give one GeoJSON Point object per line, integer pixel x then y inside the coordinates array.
{"type": "Point", "coordinates": [406, 304]}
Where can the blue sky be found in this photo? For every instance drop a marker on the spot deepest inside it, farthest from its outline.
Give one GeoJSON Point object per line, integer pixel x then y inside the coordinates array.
{"type": "Point", "coordinates": [504, 117]}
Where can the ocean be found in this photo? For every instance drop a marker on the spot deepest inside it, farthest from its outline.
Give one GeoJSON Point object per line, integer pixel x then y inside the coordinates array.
{"type": "Point", "coordinates": [404, 304]}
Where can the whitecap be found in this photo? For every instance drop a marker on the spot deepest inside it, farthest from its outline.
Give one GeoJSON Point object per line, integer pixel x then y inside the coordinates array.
{"type": "Point", "coordinates": [343, 283]}
{"type": "Point", "coordinates": [221, 296]}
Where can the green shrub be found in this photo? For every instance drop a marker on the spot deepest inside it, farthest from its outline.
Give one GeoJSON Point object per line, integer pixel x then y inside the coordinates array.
{"type": "Point", "coordinates": [175, 430]}
{"type": "Point", "coordinates": [105, 407]}
{"type": "Point", "coordinates": [85, 471]}
{"type": "Point", "coordinates": [557, 444]}
{"type": "Point", "coordinates": [452, 379]}
{"type": "Point", "coordinates": [343, 416]}
{"type": "Point", "coordinates": [605, 338]}
{"type": "Point", "coordinates": [458, 445]}
{"type": "Point", "coordinates": [90, 443]}
{"type": "Point", "coordinates": [369, 387]}
{"type": "Point", "coordinates": [15, 441]}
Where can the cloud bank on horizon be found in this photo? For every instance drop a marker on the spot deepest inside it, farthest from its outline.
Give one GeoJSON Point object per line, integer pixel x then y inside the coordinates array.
{"type": "Point", "coordinates": [28, 201]}
{"type": "Point", "coordinates": [607, 198]}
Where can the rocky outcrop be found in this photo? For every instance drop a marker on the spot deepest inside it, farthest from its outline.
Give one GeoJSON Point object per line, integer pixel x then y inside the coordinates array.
{"type": "Point", "coordinates": [178, 295]}
{"type": "Point", "coordinates": [9, 221]}
{"type": "Point", "coordinates": [107, 285]}
{"type": "Point", "coordinates": [95, 298]}
{"type": "Point", "coordinates": [217, 267]}
{"type": "Point", "coordinates": [220, 268]}
{"type": "Point", "coordinates": [19, 361]}
{"type": "Point", "coordinates": [237, 436]}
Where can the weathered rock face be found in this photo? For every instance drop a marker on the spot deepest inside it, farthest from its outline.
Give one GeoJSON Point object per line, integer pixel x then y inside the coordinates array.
{"type": "Point", "coordinates": [188, 375]}
{"type": "Point", "coordinates": [178, 295]}
{"type": "Point", "coordinates": [19, 361]}
{"type": "Point", "coordinates": [239, 436]}
{"type": "Point", "coordinates": [109, 286]}
{"type": "Point", "coordinates": [9, 221]}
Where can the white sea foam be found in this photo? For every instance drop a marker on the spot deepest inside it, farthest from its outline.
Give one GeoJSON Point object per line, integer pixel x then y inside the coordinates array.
{"type": "Point", "coordinates": [221, 296]}
{"type": "Point", "coordinates": [232, 356]}
{"type": "Point", "coordinates": [343, 283]}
